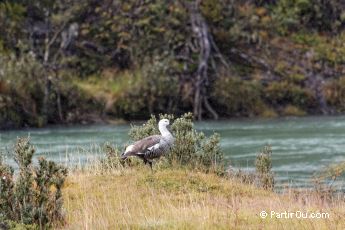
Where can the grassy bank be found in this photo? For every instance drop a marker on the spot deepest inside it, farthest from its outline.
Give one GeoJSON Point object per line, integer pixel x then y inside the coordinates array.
{"type": "Point", "coordinates": [138, 198]}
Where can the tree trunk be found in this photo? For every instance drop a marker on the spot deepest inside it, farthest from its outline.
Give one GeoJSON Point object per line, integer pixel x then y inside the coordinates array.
{"type": "Point", "coordinates": [58, 96]}
{"type": "Point", "coordinates": [47, 84]}
{"type": "Point", "coordinates": [58, 101]}
{"type": "Point", "coordinates": [45, 104]}
{"type": "Point", "coordinates": [200, 29]}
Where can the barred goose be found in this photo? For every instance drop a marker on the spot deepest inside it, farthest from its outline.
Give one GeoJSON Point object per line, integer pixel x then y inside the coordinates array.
{"type": "Point", "coordinates": [153, 146]}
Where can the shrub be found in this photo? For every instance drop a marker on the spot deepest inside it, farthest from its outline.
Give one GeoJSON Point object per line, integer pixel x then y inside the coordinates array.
{"type": "Point", "coordinates": [284, 93]}
{"type": "Point", "coordinates": [113, 160]}
{"type": "Point", "coordinates": [325, 185]}
{"type": "Point", "coordinates": [334, 92]}
{"type": "Point", "coordinates": [112, 155]}
{"type": "Point", "coordinates": [237, 97]}
{"type": "Point", "coordinates": [191, 148]}
{"type": "Point", "coordinates": [263, 166]}
{"type": "Point", "coordinates": [6, 191]}
{"type": "Point", "coordinates": [287, 13]}
{"type": "Point", "coordinates": [154, 91]}
{"type": "Point", "coordinates": [34, 197]}
{"type": "Point", "coordinates": [262, 177]}
{"type": "Point", "coordinates": [322, 15]}
{"type": "Point", "coordinates": [291, 110]}
{"type": "Point", "coordinates": [21, 84]}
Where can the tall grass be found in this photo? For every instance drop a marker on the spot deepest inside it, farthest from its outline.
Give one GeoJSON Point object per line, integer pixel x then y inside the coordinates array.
{"type": "Point", "coordinates": [137, 198]}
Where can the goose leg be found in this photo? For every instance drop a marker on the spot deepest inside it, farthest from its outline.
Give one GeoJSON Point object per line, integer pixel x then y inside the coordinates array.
{"type": "Point", "coordinates": [150, 163]}
{"type": "Point", "coordinates": [146, 161]}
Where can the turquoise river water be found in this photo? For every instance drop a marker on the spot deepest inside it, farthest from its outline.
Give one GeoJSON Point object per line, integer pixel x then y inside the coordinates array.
{"type": "Point", "coordinates": [301, 146]}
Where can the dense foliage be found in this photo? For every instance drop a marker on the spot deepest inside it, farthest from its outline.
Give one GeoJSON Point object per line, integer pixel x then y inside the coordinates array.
{"type": "Point", "coordinates": [76, 61]}
{"type": "Point", "coordinates": [192, 148]}
{"type": "Point", "coordinates": [34, 196]}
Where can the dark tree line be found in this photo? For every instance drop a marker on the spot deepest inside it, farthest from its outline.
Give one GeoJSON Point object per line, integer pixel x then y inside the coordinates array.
{"type": "Point", "coordinates": [50, 48]}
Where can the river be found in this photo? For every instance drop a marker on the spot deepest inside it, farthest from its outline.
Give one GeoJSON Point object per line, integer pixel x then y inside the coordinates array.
{"type": "Point", "coordinates": [301, 146]}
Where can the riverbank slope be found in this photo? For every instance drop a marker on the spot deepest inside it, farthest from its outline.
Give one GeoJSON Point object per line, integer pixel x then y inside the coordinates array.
{"type": "Point", "coordinates": [183, 199]}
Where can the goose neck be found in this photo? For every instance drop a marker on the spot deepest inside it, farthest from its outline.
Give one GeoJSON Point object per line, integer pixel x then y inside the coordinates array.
{"type": "Point", "coordinates": [164, 131]}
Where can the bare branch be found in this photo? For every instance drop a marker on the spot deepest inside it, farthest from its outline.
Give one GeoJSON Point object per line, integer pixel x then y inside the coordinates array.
{"type": "Point", "coordinates": [57, 33]}
{"type": "Point", "coordinates": [210, 109]}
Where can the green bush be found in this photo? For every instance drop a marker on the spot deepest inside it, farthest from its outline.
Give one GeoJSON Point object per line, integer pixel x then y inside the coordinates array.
{"type": "Point", "coordinates": [284, 93]}
{"type": "Point", "coordinates": [191, 148]}
{"type": "Point", "coordinates": [113, 159]}
{"type": "Point", "coordinates": [291, 110]}
{"type": "Point", "coordinates": [263, 166]}
{"type": "Point", "coordinates": [34, 197]}
{"type": "Point", "coordinates": [22, 90]}
{"type": "Point", "coordinates": [321, 15]}
{"type": "Point", "coordinates": [21, 84]}
{"type": "Point", "coordinates": [237, 97]}
{"type": "Point", "coordinates": [334, 92]}
{"type": "Point", "coordinates": [153, 92]}
{"type": "Point", "coordinates": [286, 14]}
{"type": "Point", "coordinates": [324, 181]}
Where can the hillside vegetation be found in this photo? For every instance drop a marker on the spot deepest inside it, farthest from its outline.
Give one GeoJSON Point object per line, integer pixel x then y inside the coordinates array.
{"type": "Point", "coordinates": [85, 61]}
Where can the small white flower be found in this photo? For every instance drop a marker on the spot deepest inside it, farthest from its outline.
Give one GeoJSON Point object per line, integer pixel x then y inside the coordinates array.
{"type": "Point", "coordinates": [4, 177]}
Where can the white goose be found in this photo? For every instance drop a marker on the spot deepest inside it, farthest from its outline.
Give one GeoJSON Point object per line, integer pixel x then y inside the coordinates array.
{"type": "Point", "coordinates": [153, 146]}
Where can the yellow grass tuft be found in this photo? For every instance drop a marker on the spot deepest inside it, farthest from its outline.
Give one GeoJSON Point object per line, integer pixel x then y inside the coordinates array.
{"type": "Point", "coordinates": [182, 199]}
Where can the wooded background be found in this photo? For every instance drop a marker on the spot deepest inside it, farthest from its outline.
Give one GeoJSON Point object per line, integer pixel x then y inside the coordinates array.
{"type": "Point", "coordinates": [69, 61]}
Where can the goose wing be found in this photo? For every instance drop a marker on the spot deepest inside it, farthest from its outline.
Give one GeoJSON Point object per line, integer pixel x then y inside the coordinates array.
{"type": "Point", "coordinates": [144, 144]}
{"type": "Point", "coordinates": [141, 146]}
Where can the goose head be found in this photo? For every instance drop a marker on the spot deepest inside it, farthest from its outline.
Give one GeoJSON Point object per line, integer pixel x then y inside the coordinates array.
{"type": "Point", "coordinates": [163, 122]}
{"type": "Point", "coordinates": [162, 126]}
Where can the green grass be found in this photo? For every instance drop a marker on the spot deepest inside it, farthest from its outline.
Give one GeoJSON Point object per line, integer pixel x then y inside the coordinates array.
{"type": "Point", "coordinates": [109, 84]}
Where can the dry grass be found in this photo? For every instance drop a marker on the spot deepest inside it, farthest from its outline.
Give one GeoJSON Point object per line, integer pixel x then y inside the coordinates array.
{"type": "Point", "coordinates": [181, 199]}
